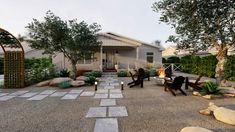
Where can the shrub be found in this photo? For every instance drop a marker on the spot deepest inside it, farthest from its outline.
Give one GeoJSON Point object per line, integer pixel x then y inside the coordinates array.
{"type": "Point", "coordinates": [173, 59]}
{"type": "Point", "coordinates": [230, 68]}
{"type": "Point", "coordinates": [97, 73]}
{"type": "Point", "coordinates": [64, 85]}
{"type": "Point", "coordinates": [39, 70]}
{"type": "Point", "coordinates": [94, 73]}
{"type": "Point", "coordinates": [90, 80]}
{"type": "Point", "coordinates": [1, 84]}
{"type": "Point", "coordinates": [152, 72]}
{"type": "Point", "coordinates": [122, 74]}
{"type": "Point", "coordinates": [64, 73]}
{"type": "Point", "coordinates": [210, 88]}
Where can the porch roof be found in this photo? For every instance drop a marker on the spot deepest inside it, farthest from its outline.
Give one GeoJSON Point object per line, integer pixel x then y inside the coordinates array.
{"type": "Point", "coordinates": [118, 40]}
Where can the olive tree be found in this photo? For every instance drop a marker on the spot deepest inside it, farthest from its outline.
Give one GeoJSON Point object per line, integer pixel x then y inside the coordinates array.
{"type": "Point", "coordinates": [54, 35]}
{"type": "Point", "coordinates": [201, 24]}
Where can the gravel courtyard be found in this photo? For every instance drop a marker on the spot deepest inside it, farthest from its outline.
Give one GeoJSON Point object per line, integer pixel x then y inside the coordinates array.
{"type": "Point", "coordinates": [150, 109]}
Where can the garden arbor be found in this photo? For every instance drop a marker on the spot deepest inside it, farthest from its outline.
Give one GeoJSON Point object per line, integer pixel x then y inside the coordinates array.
{"type": "Point", "coordinates": [14, 75]}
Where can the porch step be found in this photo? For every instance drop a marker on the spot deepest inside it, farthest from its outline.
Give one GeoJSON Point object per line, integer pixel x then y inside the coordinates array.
{"type": "Point", "coordinates": [109, 74]}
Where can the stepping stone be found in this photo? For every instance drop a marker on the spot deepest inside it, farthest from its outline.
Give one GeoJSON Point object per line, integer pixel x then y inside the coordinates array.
{"type": "Point", "coordinates": [70, 96]}
{"type": "Point", "coordinates": [107, 102]}
{"type": "Point", "coordinates": [106, 125]}
{"type": "Point", "coordinates": [18, 93]}
{"type": "Point", "coordinates": [75, 91]}
{"type": "Point", "coordinates": [38, 97]}
{"type": "Point", "coordinates": [108, 87]}
{"type": "Point", "coordinates": [88, 93]}
{"type": "Point", "coordinates": [48, 92]}
{"type": "Point", "coordinates": [58, 94]}
{"type": "Point", "coordinates": [115, 95]}
{"type": "Point", "coordinates": [5, 98]}
{"type": "Point", "coordinates": [119, 111]}
{"type": "Point", "coordinates": [102, 91]}
{"type": "Point", "coordinates": [101, 96]}
{"type": "Point", "coordinates": [3, 94]}
{"type": "Point", "coordinates": [115, 91]}
{"type": "Point", "coordinates": [96, 112]}
{"type": "Point", "coordinates": [109, 82]}
{"type": "Point", "coordinates": [27, 95]}
{"type": "Point", "coordinates": [115, 84]}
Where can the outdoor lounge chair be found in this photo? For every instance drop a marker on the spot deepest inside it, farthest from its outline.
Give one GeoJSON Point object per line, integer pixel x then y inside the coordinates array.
{"type": "Point", "coordinates": [175, 85]}
{"type": "Point", "coordinates": [195, 85]}
{"type": "Point", "coordinates": [139, 80]}
{"type": "Point", "coordinates": [168, 73]}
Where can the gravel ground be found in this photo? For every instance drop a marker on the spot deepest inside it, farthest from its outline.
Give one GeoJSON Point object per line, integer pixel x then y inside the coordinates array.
{"type": "Point", "coordinates": [150, 109]}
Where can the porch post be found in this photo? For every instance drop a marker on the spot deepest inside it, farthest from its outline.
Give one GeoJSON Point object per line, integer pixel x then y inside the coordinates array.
{"type": "Point", "coordinates": [101, 58]}
{"type": "Point", "coordinates": [137, 57]}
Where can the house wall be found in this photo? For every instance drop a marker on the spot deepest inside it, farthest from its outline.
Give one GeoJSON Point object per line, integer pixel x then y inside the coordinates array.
{"type": "Point", "coordinates": [35, 54]}
{"type": "Point", "coordinates": [143, 49]}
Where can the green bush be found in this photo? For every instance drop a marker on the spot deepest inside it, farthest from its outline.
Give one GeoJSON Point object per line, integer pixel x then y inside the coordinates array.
{"type": "Point", "coordinates": [64, 73]}
{"type": "Point", "coordinates": [230, 68]}
{"type": "Point", "coordinates": [152, 72]}
{"type": "Point", "coordinates": [122, 74]}
{"type": "Point", "coordinates": [64, 85]}
{"type": "Point", "coordinates": [1, 84]}
{"type": "Point", "coordinates": [173, 59]}
{"type": "Point", "coordinates": [93, 73]}
{"type": "Point", "coordinates": [39, 70]}
{"type": "Point", "coordinates": [90, 80]}
{"type": "Point", "coordinates": [210, 88]}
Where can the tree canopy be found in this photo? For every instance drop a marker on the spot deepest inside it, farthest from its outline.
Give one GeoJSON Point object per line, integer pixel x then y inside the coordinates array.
{"type": "Point", "coordinates": [73, 39]}
{"type": "Point", "coordinates": [199, 23]}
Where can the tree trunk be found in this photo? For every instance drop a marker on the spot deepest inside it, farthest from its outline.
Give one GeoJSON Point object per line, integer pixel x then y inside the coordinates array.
{"type": "Point", "coordinates": [220, 66]}
{"type": "Point", "coordinates": [74, 70]}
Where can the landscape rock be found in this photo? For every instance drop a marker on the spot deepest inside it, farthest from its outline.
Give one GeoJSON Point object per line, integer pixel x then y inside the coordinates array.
{"type": "Point", "coordinates": [195, 129]}
{"type": "Point", "coordinates": [81, 78]}
{"type": "Point", "coordinates": [223, 114]}
{"type": "Point", "coordinates": [195, 93]}
{"type": "Point", "coordinates": [227, 90]}
{"type": "Point", "coordinates": [229, 95]}
{"type": "Point", "coordinates": [57, 81]}
{"type": "Point", "coordinates": [207, 97]}
{"type": "Point", "coordinates": [43, 83]}
{"type": "Point", "coordinates": [77, 83]}
{"type": "Point", "coordinates": [205, 112]}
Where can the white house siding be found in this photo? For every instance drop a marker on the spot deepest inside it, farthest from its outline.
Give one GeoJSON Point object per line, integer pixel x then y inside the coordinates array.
{"type": "Point", "coordinates": [143, 49]}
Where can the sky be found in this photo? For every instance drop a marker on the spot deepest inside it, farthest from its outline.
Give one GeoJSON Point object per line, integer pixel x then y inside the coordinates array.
{"type": "Point", "coordinates": [131, 18]}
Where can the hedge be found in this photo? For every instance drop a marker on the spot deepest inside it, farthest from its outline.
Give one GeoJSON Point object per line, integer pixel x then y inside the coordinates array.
{"type": "Point", "coordinates": [206, 66]}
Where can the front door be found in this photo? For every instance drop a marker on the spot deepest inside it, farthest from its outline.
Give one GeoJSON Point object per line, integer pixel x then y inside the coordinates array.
{"type": "Point", "coordinates": [110, 60]}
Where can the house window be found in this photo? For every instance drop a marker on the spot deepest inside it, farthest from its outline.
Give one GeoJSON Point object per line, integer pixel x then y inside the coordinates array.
{"type": "Point", "coordinates": [149, 57]}
{"type": "Point", "coordinates": [87, 58]}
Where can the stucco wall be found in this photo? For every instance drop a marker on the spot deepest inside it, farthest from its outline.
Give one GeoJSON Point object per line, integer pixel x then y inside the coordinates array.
{"type": "Point", "coordinates": [143, 49]}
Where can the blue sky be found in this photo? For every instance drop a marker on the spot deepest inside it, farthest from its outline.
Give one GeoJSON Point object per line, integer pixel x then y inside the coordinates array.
{"type": "Point", "coordinates": [131, 18]}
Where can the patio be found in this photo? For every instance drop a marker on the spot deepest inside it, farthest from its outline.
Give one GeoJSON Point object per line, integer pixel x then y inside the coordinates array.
{"type": "Point", "coordinates": [143, 109]}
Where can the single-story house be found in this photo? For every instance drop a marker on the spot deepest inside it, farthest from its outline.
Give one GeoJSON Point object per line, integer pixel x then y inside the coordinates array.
{"type": "Point", "coordinates": [117, 52]}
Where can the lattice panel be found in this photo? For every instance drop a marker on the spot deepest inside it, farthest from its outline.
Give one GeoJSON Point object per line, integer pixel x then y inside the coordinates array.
{"type": "Point", "coordinates": [14, 69]}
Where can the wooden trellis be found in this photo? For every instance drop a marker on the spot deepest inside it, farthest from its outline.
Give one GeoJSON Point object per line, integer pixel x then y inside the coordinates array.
{"type": "Point", "coordinates": [14, 74]}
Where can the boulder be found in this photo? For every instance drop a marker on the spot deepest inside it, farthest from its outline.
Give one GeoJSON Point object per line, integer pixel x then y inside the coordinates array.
{"type": "Point", "coordinates": [77, 83]}
{"type": "Point", "coordinates": [195, 93]}
{"type": "Point", "coordinates": [81, 78]}
{"type": "Point", "coordinates": [195, 129]}
{"type": "Point", "coordinates": [207, 96]}
{"type": "Point", "coordinates": [43, 83]}
{"type": "Point", "coordinates": [227, 90]}
{"type": "Point", "coordinates": [205, 112]}
{"type": "Point", "coordinates": [223, 114]}
{"type": "Point", "coordinates": [57, 81]}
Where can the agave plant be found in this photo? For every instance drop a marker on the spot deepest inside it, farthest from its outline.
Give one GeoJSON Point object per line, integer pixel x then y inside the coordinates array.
{"type": "Point", "coordinates": [210, 88]}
